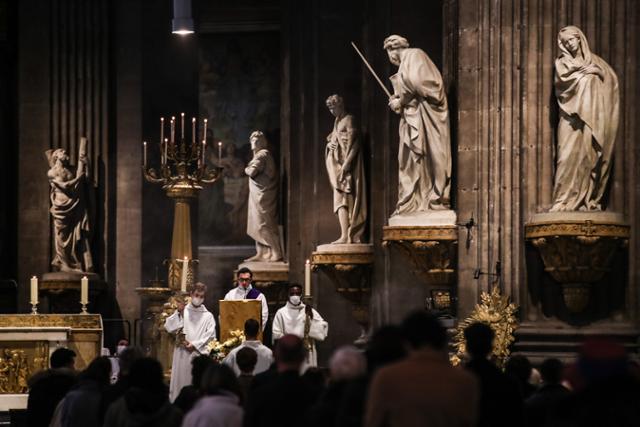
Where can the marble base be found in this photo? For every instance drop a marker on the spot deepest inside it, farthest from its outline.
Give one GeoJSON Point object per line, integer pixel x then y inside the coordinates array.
{"type": "Point", "coordinates": [67, 276]}
{"type": "Point", "coordinates": [594, 216]}
{"type": "Point", "coordinates": [425, 218]}
{"type": "Point", "coordinates": [265, 266]}
{"type": "Point", "coordinates": [335, 248]}
{"type": "Point", "coordinates": [13, 401]}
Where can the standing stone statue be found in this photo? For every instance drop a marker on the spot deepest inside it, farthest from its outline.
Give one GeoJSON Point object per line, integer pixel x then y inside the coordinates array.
{"type": "Point", "coordinates": [587, 91]}
{"type": "Point", "coordinates": [343, 158]}
{"type": "Point", "coordinates": [424, 156]}
{"type": "Point", "coordinates": [262, 224]}
{"type": "Point", "coordinates": [69, 211]}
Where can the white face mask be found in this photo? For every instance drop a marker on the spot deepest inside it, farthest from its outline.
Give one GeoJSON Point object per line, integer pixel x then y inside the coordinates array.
{"type": "Point", "coordinates": [196, 302]}
{"type": "Point", "coordinates": [120, 349]}
{"type": "Point", "coordinates": [294, 299]}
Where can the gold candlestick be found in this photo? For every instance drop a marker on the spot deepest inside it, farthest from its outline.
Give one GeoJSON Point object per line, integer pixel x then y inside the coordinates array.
{"type": "Point", "coordinates": [182, 174]}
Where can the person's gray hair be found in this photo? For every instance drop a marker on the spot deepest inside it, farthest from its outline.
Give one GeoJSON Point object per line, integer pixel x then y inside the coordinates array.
{"type": "Point", "coordinates": [395, 41]}
{"type": "Point", "coordinates": [347, 363]}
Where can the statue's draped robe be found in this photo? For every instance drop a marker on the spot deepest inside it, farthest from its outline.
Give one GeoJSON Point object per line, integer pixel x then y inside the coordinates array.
{"type": "Point", "coordinates": [589, 114]}
{"type": "Point", "coordinates": [70, 222]}
{"type": "Point", "coordinates": [199, 328]}
{"type": "Point", "coordinates": [262, 224]}
{"type": "Point", "coordinates": [348, 192]}
{"type": "Point", "coordinates": [291, 319]}
{"type": "Point", "coordinates": [424, 154]}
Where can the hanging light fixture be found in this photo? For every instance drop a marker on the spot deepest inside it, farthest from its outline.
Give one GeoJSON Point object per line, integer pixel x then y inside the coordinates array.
{"type": "Point", "coordinates": [182, 22]}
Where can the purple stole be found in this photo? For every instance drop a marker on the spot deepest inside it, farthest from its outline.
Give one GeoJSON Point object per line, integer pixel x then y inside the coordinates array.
{"type": "Point", "coordinates": [253, 293]}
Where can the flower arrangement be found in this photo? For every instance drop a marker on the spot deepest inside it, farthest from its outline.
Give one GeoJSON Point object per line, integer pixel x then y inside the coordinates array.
{"type": "Point", "coordinates": [219, 350]}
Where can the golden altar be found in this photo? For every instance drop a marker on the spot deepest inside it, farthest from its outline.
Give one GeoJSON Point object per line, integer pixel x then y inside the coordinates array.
{"type": "Point", "coordinates": [27, 341]}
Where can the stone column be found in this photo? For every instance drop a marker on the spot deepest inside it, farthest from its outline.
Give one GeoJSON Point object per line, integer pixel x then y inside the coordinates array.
{"type": "Point", "coordinates": [34, 137]}
{"type": "Point", "coordinates": [128, 177]}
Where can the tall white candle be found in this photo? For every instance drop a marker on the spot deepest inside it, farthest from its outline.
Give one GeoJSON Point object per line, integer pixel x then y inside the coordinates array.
{"type": "Point", "coordinates": [164, 157]}
{"type": "Point", "coordinates": [182, 127]}
{"type": "Point", "coordinates": [193, 131]}
{"type": "Point", "coordinates": [173, 130]}
{"type": "Point", "coordinates": [34, 290]}
{"type": "Point", "coordinates": [144, 143]}
{"type": "Point", "coordinates": [161, 129]}
{"type": "Point", "coordinates": [219, 152]}
{"type": "Point", "coordinates": [204, 149]}
{"type": "Point", "coordinates": [307, 279]}
{"type": "Point", "coordinates": [204, 131]}
{"type": "Point", "coordinates": [183, 282]}
{"type": "Point", "coordinates": [84, 290]}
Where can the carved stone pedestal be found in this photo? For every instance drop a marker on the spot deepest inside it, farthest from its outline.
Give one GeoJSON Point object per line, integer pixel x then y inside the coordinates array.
{"type": "Point", "coordinates": [61, 291]}
{"type": "Point", "coordinates": [577, 249]}
{"type": "Point", "coordinates": [348, 266]}
{"type": "Point", "coordinates": [431, 248]}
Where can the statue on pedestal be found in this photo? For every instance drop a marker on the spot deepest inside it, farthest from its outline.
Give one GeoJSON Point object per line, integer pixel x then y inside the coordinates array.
{"type": "Point", "coordinates": [424, 156]}
{"type": "Point", "coordinates": [587, 91]}
{"type": "Point", "coordinates": [344, 166]}
{"type": "Point", "coordinates": [69, 211]}
{"type": "Point", "coordinates": [262, 223]}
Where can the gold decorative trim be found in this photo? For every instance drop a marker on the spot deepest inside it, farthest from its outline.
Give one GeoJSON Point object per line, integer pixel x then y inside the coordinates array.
{"type": "Point", "coordinates": [499, 313]}
{"type": "Point", "coordinates": [74, 285]}
{"type": "Point", "coordinates": [432, 250]}
{"type": "Point", "coordinates": [576, 228]}
{"type": "Point", "coordinates": [74, 321]}
{"type": "Point", "coordinates": [345, 258]}
{"type": "Point", "coordinates": [436, 232]}
{"type": "Point", "coordinates": [270, 276]}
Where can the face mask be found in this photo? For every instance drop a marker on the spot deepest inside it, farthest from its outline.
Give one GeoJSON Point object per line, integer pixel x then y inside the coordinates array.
{"type": "Point", "coordinates": [196, 302]}
{"type": "Point", "coordinates": [120, 349]}
{"type": "Point", "coordinates": [294, 299]}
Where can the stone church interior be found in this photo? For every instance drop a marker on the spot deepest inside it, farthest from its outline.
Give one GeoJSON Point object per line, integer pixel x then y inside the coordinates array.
{"type": "Point", "coordinates": [391, 212]}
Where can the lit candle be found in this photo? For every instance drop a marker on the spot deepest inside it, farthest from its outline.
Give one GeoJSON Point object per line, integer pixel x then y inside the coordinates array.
{"type": "Point", "coordinates": [164, 158]}
{"type": "Point", "coordinates": [144, 143]}
{"type": "Point", "coordinates": [34, 290]}
{"type": "Point", "coordinates": [181, 126]}
{"type": "Point", "coordinates": [204, 149]}
{"type": "Point", "coordinates": [307, 279]}
{"type": "Point", "coordinates": [183, 282]}
{"type": "Point", "coordinates": [193, 131]}
{"type": "Point", "coordinates": [219, 152]}
{"type": "Point", "coordinates": [204, 133]}
{"type": "Point", "coordinates": [173, 130]}
{"type": "Point", "coordinates": [84, 290]}
{"type": "Point", "coordinates": [161, 129]}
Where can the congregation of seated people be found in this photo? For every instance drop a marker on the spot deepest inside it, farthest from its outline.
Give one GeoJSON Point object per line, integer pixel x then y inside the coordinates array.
{"type": "Point", "coordinates": [403, 378]}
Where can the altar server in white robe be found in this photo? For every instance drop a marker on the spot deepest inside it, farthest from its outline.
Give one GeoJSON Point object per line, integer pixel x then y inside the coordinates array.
{"type": "Point", "coordinates": [245, 290]}
{"type": "Point", "coordinates": [303, 321]}
{"type": "Point", "coordinates": [198, 327]}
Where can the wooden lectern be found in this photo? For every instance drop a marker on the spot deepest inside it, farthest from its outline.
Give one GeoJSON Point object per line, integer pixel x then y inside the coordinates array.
{"type": "Point", "coordinates": [233, 314]}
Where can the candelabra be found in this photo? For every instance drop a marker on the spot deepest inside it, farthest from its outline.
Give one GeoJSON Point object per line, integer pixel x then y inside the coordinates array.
{"type": "Point", "coordinates": [183, 173]}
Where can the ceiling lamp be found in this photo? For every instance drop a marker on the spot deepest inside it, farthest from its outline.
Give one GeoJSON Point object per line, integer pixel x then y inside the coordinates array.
{"type": "Point", "coordinates": [182, 22]}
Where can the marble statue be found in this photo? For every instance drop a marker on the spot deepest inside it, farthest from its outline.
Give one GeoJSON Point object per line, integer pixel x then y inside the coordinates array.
{"type": "Point", "coordinates": [343, 158]}
{"type": "Point", "coordinates": [587, 91]}
{"type": "Point", "coordinates": [262, 224]}
{"type": "Point", "coordinates": [424, 155]}
{"type": "Point", "coordinates": [69, 211]}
